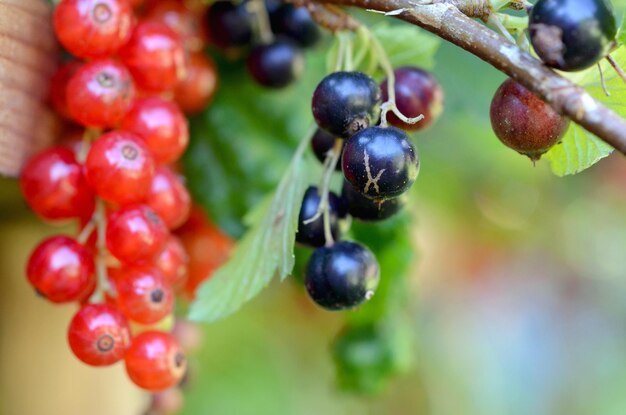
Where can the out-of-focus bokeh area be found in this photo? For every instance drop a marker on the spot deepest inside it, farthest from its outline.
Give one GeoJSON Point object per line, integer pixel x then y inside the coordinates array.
{"type": "Point", "coordinates": [517, 299]}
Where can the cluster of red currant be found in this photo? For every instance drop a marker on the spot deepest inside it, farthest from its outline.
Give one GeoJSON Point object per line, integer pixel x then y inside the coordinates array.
{"type": "Point", "coordinates": [277, 30]}
{"type": "Point", "coordinates": [379, 165]}
{"type": "Point", "coordinates": [568, 35]}
{"type": "Point", "coordinates": [135, 82]}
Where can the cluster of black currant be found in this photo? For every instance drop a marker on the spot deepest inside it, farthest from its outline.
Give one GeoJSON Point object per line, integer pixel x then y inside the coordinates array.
{"type": "Point", "coordinates": [567, 35]}
{"type": "Point", "coordinates": [277, 31]}
{"type": "Point", "coordinates": [379, 165]}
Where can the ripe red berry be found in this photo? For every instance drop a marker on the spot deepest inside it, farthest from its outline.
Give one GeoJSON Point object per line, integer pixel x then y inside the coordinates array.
{"type": "Point", "coordinates": [155, 361]}
{"type": "Point", "coordinates": [155, 56]}
{"type": "Point", "coordinates": [180, 19]}
{"type": "Point", "coordinates": [417, 92]}
{"type": "Point", "coordinates": [99, 334]}
{"type": "Point", "coordinates": [119, 168]}
{"type": "Point", "coordinates": [54, 186]}
{"type": "Point", "coordinates": [100, 93]}
{"type": "Point", "coordinates": [61, 269]}
{"type": "Point", "coordinates": [58, 87]}
{"type": "Point", "coordinates": [93, 28]}
{"type": "Point", "coordinates": [143, 295]}
{"type": "Point", "coordinates": [172, 262]}
{"type": "Point", "coordinates": [135, 233]}
{"type": "Point", "coordinates": [524, 122]}
{"type": "Point", "coordinates": [196, 90]}
{"type": "Point", "coordinates": [169, 198]}
{"type": "Point", "coordinates": [161, 125]}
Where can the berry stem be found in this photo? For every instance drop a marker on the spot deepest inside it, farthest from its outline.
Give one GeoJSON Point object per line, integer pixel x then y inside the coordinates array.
{"type": "Point", "coordinates": [262, 20]}
{"type": "Point", "coordinates": [87, 230]}
{"type": "Point", "coordinates": [496, 20]}
{"type": "Point", "coordinates": [89, 135]}
{"type": "Point", "coordinates": [101, 256]}
{"type": "Point", "coordinates": [616, 66]}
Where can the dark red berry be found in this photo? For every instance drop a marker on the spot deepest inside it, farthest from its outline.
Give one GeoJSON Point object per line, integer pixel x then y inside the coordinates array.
{"type": "Point", "coordinates": [380, 162]}
{"type": "Point", "coordinates": [229, 25]}
{"type": "Point", "coordinates": [524, 122]}
{"type": "Point", "coordinates": [155, 56]}
{"type": "Point", "coordinates": [342, 276]}
{"type": "Point", "coordinates": [99, 334]}
{"type": "Point", "coordinates": [54, 186]}
{"type": "Point", "coordinates": [135, 233]}
{"type": "Point", "coordinates": [93, 28]}
{"type": "Point", "coordinates": [571, 35]}
{"type": "Point", "coordinates": [180, 19]}
{"type": "Point", "coordinates": [321, 143]}
{"type": "Point", "coordinates": [161, 125]}
{"type": "Point", "coordinates": [312, 234]}
{"type": "Point", "coordinates": [155, 361]}
{"type": "Point", "coordinates": [61, 269]}
{"type": "Point", "coordinates": [417, 92]}
{"type": "Point", "coordinates": [143, 295]}
{"type": "Point", "coordinates": [196, 90]}
{"type": "Point", "coordinates": [120, 168]}
{"type": "Point", "coordinates": [345, 103]}
{"type": "Point", "coordinates": [172, 262]}
{"type": "Point", "coordinates": [58, 87]}
{"type": "Point", "coordinates": [100, 93]}
{"type": "Point", "coordinates": [370, 210]}
{"type": "Point", "coordinates": [277, 64]}
{"type": "Point", "coordinates": [169, 198]}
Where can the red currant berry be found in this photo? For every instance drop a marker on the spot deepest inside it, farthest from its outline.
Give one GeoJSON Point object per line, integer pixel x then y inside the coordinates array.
{"type": "Point", "coordinates": [120, 168]}
{"type": "Point", "coordinates": [524, 122]}
{"type": "Point", "coordinates": [61, 269]}
{"type": "Point", "coordinates": [417, 92]}
{"type": "Point", "coordinates": [58, 87]}
{"type": "Point", "coordinates": [99, 334]}
{"type": "Point", "coordinates": [196, 90]}
{"type": "Point", "coordinates": [155, 361]}
{"type": "Point", "coordinates": [100, 93]}
{"type": "Point", "coordinates": [54, 186]}
{"type": "Point", "coordinates": [155, 56]}
{"type": "Point", "coordinates": [169, 198]}
{"type": "Point", "coordinates": [161, 125]}
{"type": "Point", "coordinates": [180, 19]}
{"type": "Point", "coordinates": [93, 28]}
{"type": "Point", "coordinates": [143, 295]}
{"type": "Point", "coordinates": [172, 262]}
{"type": "Point", "coordinates": [135, 233]}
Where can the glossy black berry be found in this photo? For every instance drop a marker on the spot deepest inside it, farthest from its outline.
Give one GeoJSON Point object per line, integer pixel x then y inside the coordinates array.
{"type": "Point", "coordinates": [277, 64]}
{"type": "Point", "coordinates": [321, 143]}
{"type": "Point", "coordinates": [312, 234]}
{"type": "Point", "coordinates": [379, 162]}
{"type": "Point", "coordinates": [417, 92]}
{"type": "Point", "coordinates": [345, 102]}
{"type": "Point", "coordinates": [296, 23]}
{"type": "Point", "coordinates": [572, 34]}
{"type": "Point", "coordinates": [341, 276]}
{"type": "Point", "coordinates": [370, 210]}
{"type": "Point", "coordinates": [229, 25]}
{"type": "Point", "coordinates": [523, 122]}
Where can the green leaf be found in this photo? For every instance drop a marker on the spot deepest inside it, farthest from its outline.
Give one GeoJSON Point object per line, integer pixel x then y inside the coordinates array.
{"type": "Point", "coordinates": [404, 44]}
{"type": "Point", "coordinates": [265, 251]}
{"type": "Point", "coordinates": [580, 149]}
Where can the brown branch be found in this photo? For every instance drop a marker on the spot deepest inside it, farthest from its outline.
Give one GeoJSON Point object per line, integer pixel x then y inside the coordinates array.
{"type": "Point", "coordinates": [446, 21]}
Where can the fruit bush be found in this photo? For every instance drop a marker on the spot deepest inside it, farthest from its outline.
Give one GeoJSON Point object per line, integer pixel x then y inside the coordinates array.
{"type": "Point", "coordinates": [206, 149]}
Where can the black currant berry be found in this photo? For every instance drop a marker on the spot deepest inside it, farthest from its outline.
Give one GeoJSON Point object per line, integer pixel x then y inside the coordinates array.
{"type": "Point", "coordinates": [571, 35]}
{"type": "Point", "coordinates": [229, 25]}
{"type": "Point", "coordinates": [370, 210]}
{"type": "Point", "coordinates": [312, 234]}
{"type": "Point", "coordinates": [345, 102]}
{"type": "Point", "coordinates": [296, 23]}
{"type": "Point", "coordinates": [417, 92]}
{"type": "Point", "coordinates": [523, 122]}
{"type": "Point", "coordinates": [321, 143]}
{"type": "Point", "coordinates": [277, 64]}
{"type": "Point", "coordinates": [341, 276]}
{"type": "Point", "coordinates": [380, 163]}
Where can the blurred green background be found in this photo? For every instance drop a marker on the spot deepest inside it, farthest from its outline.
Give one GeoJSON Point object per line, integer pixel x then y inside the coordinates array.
{"type": "Point", "coordinates": [514, 302]}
